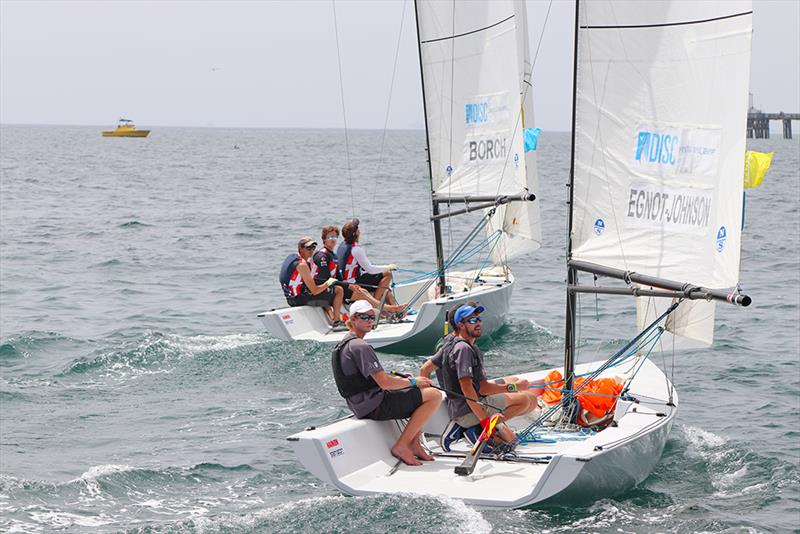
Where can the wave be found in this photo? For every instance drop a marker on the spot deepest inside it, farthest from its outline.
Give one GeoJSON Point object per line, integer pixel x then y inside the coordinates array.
{"type": "Point", "coordinates": [391, 513]}
{"type": "Point", "coordinates": [133, 224]}
{"type": "Point", "coordinates": [155, 352]}
{"type": "Point", "coordinates": [29, 343]}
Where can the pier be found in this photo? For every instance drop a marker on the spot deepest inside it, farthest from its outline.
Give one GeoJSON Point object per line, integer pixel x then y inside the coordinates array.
{"type": "Point", "coordinates": [758, 123]}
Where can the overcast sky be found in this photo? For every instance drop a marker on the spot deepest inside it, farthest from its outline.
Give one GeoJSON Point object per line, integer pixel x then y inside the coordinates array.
{"type": "Point", "coordinates": [274, 64]}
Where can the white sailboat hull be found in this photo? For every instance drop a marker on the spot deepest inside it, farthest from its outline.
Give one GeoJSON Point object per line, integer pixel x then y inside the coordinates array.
{"type": "Point", "coordinates": [416, 332]}
{"type": "Point", "coordinates": [353, 455]}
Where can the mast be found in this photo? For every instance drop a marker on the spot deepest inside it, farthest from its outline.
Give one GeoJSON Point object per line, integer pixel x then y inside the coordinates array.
{"type": "Point", "coordinates": [572, 273]}
{"type": "Point", "coordinates": [437, 225]}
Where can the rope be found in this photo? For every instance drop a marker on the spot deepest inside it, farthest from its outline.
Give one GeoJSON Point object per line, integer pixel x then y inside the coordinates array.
{"type": "Point", "coordinates": [388, 107]}
{"type": "Point", "coordinates": [647, 336]}
{"type": "Point", "coordinates": [447, 264]}
{"type": "Point", "coordinates": [344, 111]}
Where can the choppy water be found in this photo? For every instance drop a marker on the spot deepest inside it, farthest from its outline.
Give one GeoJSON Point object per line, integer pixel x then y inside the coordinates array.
{"type": "Point", "coordinates": [138, 393]}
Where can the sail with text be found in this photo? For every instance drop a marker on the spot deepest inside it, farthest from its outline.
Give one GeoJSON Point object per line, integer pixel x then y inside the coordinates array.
{"type": "Point", "coordinates": [478, 100]}
{"type": "Point", "coordinates": [661, 108]}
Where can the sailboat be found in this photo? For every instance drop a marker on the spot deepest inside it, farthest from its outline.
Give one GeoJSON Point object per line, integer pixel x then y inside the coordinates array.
{"type": "Point", "coordinates": [655, 201]}
{"type": "Point", "coordinates": [478, 108]}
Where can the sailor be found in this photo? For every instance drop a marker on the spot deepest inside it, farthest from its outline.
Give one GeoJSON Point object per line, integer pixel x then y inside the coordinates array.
{"type": "Point", "coordinates": [299, 286]}
{"type": "Point", "coordinates": [463, 374]}
{"type": "Point", "coordinates": [354, 267]}
{"type": "Point", "coordinates": [444, 345]}
{"type": "Point", "coordinates": [324, 266]}
{"type": "Point", "coordinates": [371, 393]}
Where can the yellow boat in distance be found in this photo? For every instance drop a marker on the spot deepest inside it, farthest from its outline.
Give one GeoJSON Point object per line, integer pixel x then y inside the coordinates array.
{"type": "Point", "coordinates": [126, 128]}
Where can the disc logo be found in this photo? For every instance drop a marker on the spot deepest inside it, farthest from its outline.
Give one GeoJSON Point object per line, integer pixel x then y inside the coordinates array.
{"type": "Point", "coordinates": [477, 112]}
{"type": "Point", "coordinates": [654, 147]}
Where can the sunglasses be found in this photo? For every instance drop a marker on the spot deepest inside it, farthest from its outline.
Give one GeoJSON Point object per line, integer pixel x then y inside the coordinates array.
{"type": "Point", "coordinates": [332, 238]}
{"type": "Point", "coordinates": [473, 320]}
{"type": "Point", "coordinates": [365, 317]}
{"type": "Point", "coordinates": [310, 247]}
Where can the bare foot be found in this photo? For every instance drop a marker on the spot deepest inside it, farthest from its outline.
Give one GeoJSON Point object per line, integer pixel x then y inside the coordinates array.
{"type": "Point", "coordinates": [421, 453]}
{"type": "Point", "coordinates": [405, 455]}
{"type": "Point", "coordinates": [397, 308]}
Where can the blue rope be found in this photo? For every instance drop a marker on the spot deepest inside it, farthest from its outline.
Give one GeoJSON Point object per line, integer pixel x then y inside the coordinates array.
{"type": "Point", "coordinates": [651, 338]}
{"type": "Point", "coordinates": [490, 241]}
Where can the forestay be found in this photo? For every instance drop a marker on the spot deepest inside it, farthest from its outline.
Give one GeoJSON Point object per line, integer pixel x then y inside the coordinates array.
{"type": "Point", "coordinates": [476, 74]}
{"type": "Point", "coordinates": [661, 107]}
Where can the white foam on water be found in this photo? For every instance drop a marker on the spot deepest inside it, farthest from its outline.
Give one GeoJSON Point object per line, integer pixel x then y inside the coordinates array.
{"type": "Point", "coordinates": [66, 519]}
{"type": "Point", "coordinates": [705, 444]}
{"type": "Point", "coordinates": [89, 478]}
{"type": "Point", "coordinates": [470, 518]}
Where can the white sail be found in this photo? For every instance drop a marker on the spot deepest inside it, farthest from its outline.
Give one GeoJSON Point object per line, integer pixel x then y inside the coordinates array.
{"type": "Point", "coordinates": [471, 59]}
{"type": "Point", "coordinates": [662, 96]}
{"type": "Point", "coordinates": [520, 221]}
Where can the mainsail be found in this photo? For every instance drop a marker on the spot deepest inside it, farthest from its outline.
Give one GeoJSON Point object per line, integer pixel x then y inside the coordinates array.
{"type": "Point", "coordinates": [476, 82]}
{"type": "Point", "coordinates": [661, 108]}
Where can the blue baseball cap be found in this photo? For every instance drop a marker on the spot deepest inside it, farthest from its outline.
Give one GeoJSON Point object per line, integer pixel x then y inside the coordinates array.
{"type": "Point", "coordinates": [465, 311]}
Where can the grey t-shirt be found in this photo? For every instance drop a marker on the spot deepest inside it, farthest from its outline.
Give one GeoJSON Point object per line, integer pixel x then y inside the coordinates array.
{"type": "Point", "coordinates": [464, 360]}
{"type": "Point", "coordinates": [358, 356]}
{"type": "Point", "coordinates": [442, 346]}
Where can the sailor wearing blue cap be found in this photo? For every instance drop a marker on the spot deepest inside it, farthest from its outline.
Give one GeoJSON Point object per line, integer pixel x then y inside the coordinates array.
{"type": "Point", "coordinates": [463, 374]}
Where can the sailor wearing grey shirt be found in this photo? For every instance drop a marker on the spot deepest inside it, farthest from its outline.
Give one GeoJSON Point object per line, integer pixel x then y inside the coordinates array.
{"type": "Point", "coordinates": [463, 373]}
{"type": "Point", "coordinates": [373, 394]}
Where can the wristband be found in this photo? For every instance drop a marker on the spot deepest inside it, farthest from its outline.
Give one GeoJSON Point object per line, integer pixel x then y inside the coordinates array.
{"type": "Point", "coordinates": [413, 381]}
{"type": "Point", "coordinates": [512, 388]}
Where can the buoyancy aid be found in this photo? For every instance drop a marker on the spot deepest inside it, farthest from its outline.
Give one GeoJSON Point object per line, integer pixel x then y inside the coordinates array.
{"type": "Point", "coordinates": [349, 269]}
{"type": "Point", "coordinates": [349, 385]}
{"type": "Point", "coordinates": [291, 281]}
{"type": "Point", "coordinates": [323, 266]}
{"type": "Point", "coordinates": [450, 377]}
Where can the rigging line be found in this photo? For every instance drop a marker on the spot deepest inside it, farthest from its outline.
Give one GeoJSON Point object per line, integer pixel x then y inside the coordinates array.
{"type": "Point", "coordinates": [388, 108]}
{"type": "Point", "coordinates": [469, 32]}
{"type": "Point", "coordinates": [541, 36]}
{"type": "Point", "coordinates": [344, 111]}
{"type": "Point", "coordinates": [452, 118]}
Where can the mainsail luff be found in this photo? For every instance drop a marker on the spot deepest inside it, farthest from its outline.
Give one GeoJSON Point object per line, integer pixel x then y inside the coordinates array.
{"type": "Point", "coordinates": [437, 225]}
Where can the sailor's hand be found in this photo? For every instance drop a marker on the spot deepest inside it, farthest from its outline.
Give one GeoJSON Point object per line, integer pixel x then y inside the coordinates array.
{"type": "Point", "coordinates": [522, 385]}
{"type": "Point", "coordinates": [424, 382]}
{"type": "Point", "coordinates": [329, 282]}
{"type": "Point", "coordinates": [536, 387]}
{"type": "Point", "coordinates": [392, 267]}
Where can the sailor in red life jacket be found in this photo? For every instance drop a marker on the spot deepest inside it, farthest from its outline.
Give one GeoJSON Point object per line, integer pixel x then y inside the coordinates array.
{"type": "Point", "coordinates": [354, 267]}
{"type": "Point", "coordinates": [299, 286]}
{"type": "Point", "coordinates": [324, 265]}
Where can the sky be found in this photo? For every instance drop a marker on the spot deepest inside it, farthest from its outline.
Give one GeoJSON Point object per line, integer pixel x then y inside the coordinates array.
{"type": "Point", "coordinates": [275, 64]}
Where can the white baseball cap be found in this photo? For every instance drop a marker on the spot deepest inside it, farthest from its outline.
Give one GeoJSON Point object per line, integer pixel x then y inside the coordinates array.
{"type": "Point", "coordinates": [360, 306]}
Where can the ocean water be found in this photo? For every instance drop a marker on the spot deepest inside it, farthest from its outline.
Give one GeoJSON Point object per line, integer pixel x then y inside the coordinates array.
{"type": "Point", "coordinates": [138, 392]}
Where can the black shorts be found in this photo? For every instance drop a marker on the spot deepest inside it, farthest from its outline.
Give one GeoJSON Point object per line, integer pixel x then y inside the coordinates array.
{"type": "Point", "coordinates": [348, 293]}
{"type": "Point", "coordinates": [397, 404]}
{"type": "Point", "coordinates": [369, 281]}
{"type": "Point", "coordinates": [320, 300]}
